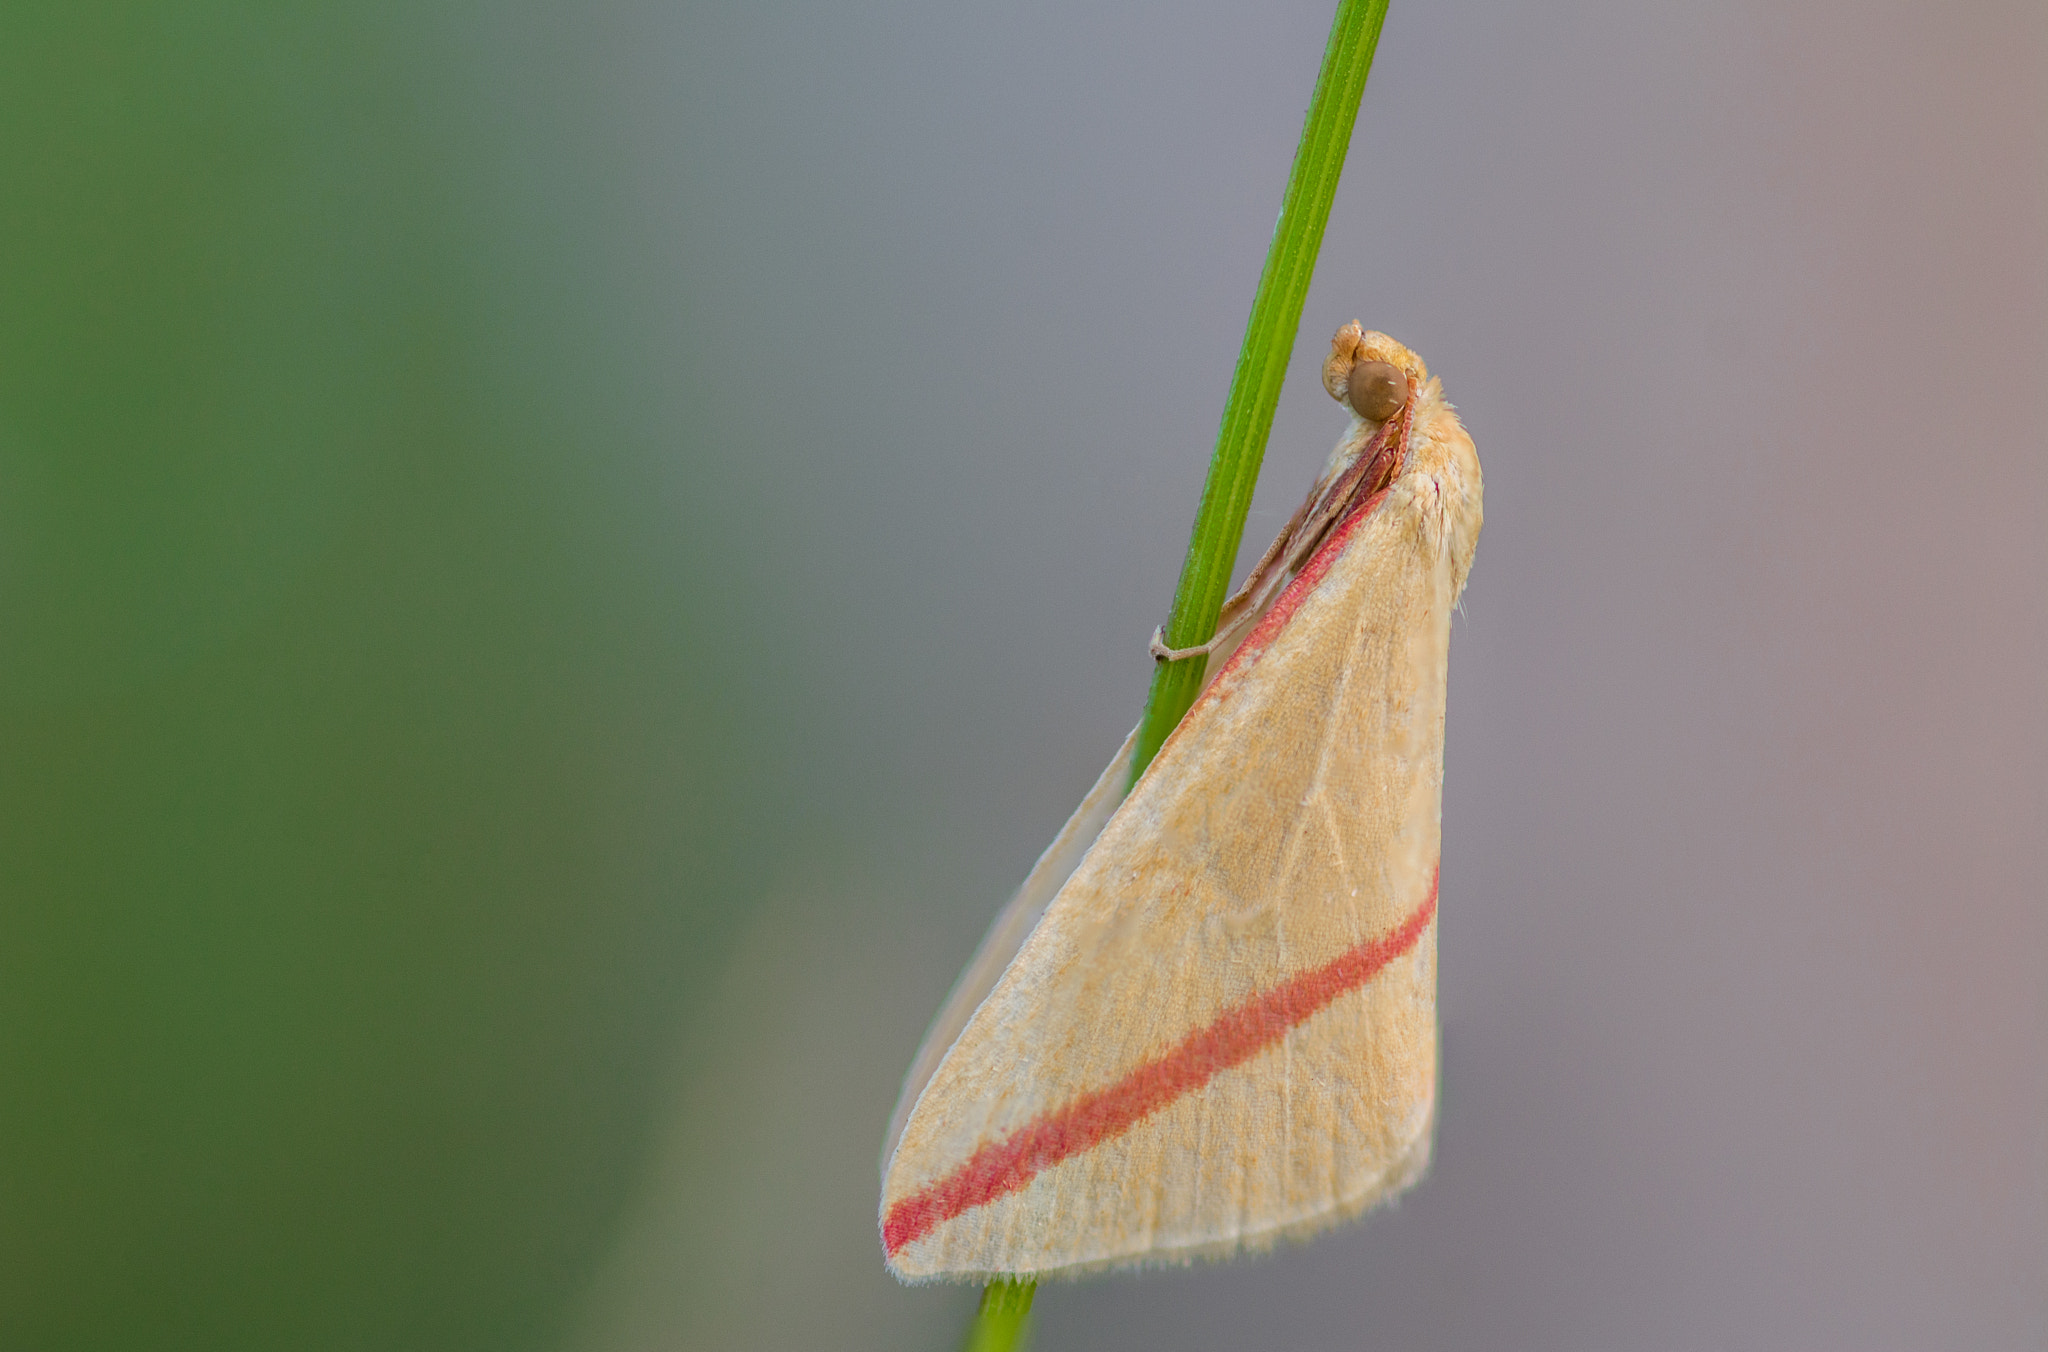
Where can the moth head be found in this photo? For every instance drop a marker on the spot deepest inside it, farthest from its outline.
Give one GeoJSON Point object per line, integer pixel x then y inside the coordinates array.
{"type": "Point", "coordinates": [1371, 374]}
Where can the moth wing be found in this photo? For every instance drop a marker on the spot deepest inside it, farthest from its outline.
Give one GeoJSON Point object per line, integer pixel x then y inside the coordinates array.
{"type": "Point", "coordinates": [1223, 1029]}
{"type": "Point", "coordinates": [1012, 926]}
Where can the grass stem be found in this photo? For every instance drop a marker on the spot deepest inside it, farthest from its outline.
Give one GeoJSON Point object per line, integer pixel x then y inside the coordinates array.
{"type": "Point", "coordinates": [1261, 367]}
{"type": "Point", "coordinates": [1000, 1324]}
{"type": "Point", "coordinates": [1005, 1315]}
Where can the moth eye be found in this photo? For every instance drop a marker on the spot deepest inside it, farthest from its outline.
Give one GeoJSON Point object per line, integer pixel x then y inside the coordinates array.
{"type": "Point", "coordinates": [1377, 390]}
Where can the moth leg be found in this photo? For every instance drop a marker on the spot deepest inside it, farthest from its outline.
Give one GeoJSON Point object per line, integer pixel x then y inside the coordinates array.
{"type": "Point", "coordinates": [1165, 654]}
{"type": "Point", "coordinates": [1224, 636]}
{"type": "Point", "coordinates": [1276, 567]}
{"type": "Point", "coordinates": [1241, 611]}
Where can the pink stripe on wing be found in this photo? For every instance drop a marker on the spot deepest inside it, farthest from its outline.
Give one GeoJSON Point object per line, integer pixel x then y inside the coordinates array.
{"type": "Point", "coordinates": [1234, 1037]}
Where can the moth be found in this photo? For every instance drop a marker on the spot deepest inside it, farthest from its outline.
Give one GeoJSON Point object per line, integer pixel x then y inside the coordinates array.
{"type": "Point", "coordinates": [1207, 1021]}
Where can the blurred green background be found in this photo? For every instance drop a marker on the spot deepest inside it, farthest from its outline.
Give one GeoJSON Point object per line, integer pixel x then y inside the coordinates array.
{"type": "Point", "coordinates": [369, 777]}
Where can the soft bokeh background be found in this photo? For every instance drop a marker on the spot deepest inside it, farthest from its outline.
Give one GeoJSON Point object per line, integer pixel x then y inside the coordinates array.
{"type": "Point", "coordinates": [557, 562]}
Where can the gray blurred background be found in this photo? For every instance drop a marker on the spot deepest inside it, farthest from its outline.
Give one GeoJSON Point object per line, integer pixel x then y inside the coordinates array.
{"type": "Point", "coordinates": [556, 565]}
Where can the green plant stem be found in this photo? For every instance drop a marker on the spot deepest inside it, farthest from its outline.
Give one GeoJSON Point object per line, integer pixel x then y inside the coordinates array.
{"type": "Point", "coordinates": [1004, 1315]}
{"type": "Point", "coordinates": [1000, 1323]}
{"type": "Point", "coordinates": [1261, 367]}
